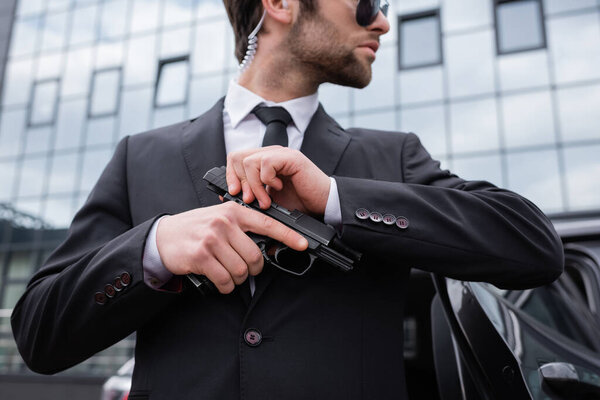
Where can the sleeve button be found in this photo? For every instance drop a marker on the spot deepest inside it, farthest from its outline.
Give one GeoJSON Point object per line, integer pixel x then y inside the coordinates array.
{"type": "Point", "coordinates": [402, 222]}
{"type": "Point", "coordinates": [389, 219]}
{"type": "Point", "coordinates": [362, 213]}
{"type": "Point", "coordinates": [100, 298]}
{"type": "Point", "coordinates": [376, 217]}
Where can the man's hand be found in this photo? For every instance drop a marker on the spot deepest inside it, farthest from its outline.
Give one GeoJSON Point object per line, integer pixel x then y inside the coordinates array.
{"type": "Point", "coordinates": [211, 241]}
{"type": "Point", "coordinates": [292, 180]}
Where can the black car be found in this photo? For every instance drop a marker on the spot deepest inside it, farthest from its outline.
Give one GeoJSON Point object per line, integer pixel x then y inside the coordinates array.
{"type": "Point", "coordinates": [468, 340]}
{"type": "Point", "coordinates": [480, 342]}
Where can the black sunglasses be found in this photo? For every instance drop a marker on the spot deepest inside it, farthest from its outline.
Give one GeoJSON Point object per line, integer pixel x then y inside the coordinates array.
{"type": "Point", "coordinates": [367, 10]}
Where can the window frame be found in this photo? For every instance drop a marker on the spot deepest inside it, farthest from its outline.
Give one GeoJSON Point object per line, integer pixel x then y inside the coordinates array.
{"type": "Point", "coordinates": [90, 114]}
{"type": "Point", "coordinates": [161, 64]}
{"type": "Point", "coordinates": [30, 111]}
{"type": "Point", "coordinates": [543, 45]}
{"type": "Point", "coordinates": [414, 16]}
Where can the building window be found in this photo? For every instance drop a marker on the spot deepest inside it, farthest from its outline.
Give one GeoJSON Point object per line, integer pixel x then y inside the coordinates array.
{"type": "Point", "coordinates": [419, 40]}
{"type": "Point", "coordinates": [519, 25]}
{"type": "Point", "coordinates": [44, 99]}
{"type": "Point", "coordinates": [171, 82]}
{"type": "Point", "coordinates": [106, 84]}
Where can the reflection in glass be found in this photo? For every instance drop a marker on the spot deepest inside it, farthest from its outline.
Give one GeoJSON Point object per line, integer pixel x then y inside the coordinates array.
{"type": "Point", "coordinates": [140, 64]}
{"type": "Point", "coordinates": [32, 178]}
{"type": "Point", "coordinates": [31, 207]}
{"type": "Point", "coordinates": [177, 12]}
{"type": "Point", "coordinates": [204, 93]}
{"type": "Point", "coordinates": [83, 26]}
{"type": "Point", "coordinates": [113, 19]}
{"type": "Point", "coordinates": [55, 31]}
{"type": "Point", "coordinates": [209, 47]}
{"type": "Point", "coordinates": [76, 78]}
{"type": "Point", "coordinates": [578, 112]}
{"type": "Point", "coordinates": [519, 26]}
{"type": "Point", "coordinates": [380, 92]}
{"type": "Point", "coordinates": [385, 121]}
{"type": "Point", "coordinates": [100, 131]}
{"type": "Point", "coordinates": [49, 66]}
{"type": "Point", "coordinates": [38, 139]}
{"type": "Point", "coordinates": [583, 170]}
{"type": "Point", "coordinates": [172, 85]}
{"type": "Point", "coordinates": [12, 126]}
{"type": "Point", "coordinates": [419, 40]}
{"type": "Point", "coordinates": [17, 81]}
{"type": "Point", "coordinates": [175, 42]}
{"type": "Point", "coordinates": [485, 168]}
{"type": "Point", "coordinates": [21, 265]}
{"type": "Point", "coordinates": [71, 116]}
{"type": "Point", "coordinates": [24, 36]}
{"type": "Point", "coordinates": [335, 98]}
{"type": "Point", "coordinates": [144, 16]}
{"type": "Point", "coordinates": [135, 111]}
{"type": "Point", "coordinates": [109, 54]}
{"type": "Point", "coordinates": [59, 212]}
{"type": "Point", "coordinates": [557, 6]}
{"type": "Point", "coordinates": [7, 175]}
{"type": "Point", "coordinates": [168, 116]}
{"type": "Point", "coordinates": [469, 60]}
{"type": "Point", "coordinates": [465, 14]}
{"type": "Point", "coordinates": [12, 293]}
{"type": "Point", "coordinates": [574, 43]}
{"type": "Point", "coordinates": [422, 84]}
{"type": "Point", "coordinates": [528, 119]}
{"type": "Point", "coordinates": [540, 184]}
{"type": "Point", "coordinates": [94, 162]}
{"type": "Point", "coordinates": [44, 102]}
{"type": "Point", "coordinates": [474, 125]}
{"type": "Point", "coordinates": [523, 70]}
{"type": "Point", "coordinates": [25, 7]}
{"type": "Point", "coordinates": [105, 92]}
{"type": "Point", "coordinates": [63, 172]}
{"type": "Point", "coordinates": [429, 124]}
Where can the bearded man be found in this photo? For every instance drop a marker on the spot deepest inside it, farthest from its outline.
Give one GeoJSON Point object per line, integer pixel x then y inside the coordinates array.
{"type": "Point", "coordinates": [269, 334]}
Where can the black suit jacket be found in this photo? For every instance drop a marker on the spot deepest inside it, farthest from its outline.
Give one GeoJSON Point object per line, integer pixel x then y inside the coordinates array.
{"type": "Point", "coordinates": [324, 336]}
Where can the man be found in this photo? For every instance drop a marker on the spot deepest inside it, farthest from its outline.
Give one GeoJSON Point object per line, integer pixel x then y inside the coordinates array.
{"type": "Point", "coordinates": [269, 334]}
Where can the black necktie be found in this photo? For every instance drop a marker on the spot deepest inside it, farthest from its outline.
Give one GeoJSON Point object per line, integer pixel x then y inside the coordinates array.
{"type": "Point", "coordinates": [276, 119]}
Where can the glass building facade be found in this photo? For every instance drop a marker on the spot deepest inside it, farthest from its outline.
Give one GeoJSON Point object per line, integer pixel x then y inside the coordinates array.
{"type": "Point", "coordinates": [506, 91]}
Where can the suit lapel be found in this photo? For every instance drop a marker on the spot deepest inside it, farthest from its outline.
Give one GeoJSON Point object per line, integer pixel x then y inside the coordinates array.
{"type": "Point", "coordinates": [324, 144]}
{"type": "Point", "coordinates": [203, 147]}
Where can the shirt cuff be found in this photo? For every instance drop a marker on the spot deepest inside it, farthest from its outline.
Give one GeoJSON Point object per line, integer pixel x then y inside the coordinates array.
{"type": "Point", "coordinates": [155, 273]}
{"type": "Point", "coordinates": [333, 210]}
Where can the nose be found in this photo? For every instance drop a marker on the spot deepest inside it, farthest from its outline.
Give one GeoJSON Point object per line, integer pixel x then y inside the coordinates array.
{"type": "Point", "coordinates": [380, 24]}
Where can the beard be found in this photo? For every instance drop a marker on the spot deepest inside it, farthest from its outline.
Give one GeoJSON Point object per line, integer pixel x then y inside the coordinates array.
{"type": "Point", "coordinates": [317, 47]}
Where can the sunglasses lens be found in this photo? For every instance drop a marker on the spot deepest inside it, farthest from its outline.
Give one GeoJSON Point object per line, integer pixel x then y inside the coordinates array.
{"type": "Point", "coordinates": [366, 12]}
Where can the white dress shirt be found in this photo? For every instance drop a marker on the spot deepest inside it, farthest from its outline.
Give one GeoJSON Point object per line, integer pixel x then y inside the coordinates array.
{"type": "Point", "coordinates": [243, 130]}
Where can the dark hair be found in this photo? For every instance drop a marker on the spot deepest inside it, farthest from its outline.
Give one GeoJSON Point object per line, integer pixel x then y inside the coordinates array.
{"type": "Point", "coordinates": [244, 15]}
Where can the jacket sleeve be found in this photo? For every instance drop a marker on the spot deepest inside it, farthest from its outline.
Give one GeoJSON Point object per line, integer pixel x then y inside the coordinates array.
{"type": "Point", "coordinates": [467, 230]}
{"type": "Point", "coordinates": [67, 313]}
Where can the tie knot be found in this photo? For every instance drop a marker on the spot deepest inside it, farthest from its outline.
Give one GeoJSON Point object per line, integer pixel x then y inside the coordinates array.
{"type": "Point", "coordinates": [267, 115]}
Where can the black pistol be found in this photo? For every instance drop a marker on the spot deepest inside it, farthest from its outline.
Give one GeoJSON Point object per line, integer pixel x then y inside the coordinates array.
{"type": "Point", "coordinates": [323, 243]}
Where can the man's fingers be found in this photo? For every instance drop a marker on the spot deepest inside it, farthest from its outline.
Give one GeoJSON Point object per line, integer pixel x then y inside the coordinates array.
{"type": "Point", "coordinates": [233, 182]}
{"type": "Point", "coordinates": [256, 222]}
{"type": "Point", "coordinates": [253, 175]}
{"type": "Point", "coordinates": [248, 251]}
{"type": "Point", "coordinates": [218, 275]}
{"type": "Point", "coordinates": [233, 263]}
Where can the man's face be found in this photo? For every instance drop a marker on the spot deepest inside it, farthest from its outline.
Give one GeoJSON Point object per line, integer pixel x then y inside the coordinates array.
{"type": "Point", "coordinates": [331, 45]}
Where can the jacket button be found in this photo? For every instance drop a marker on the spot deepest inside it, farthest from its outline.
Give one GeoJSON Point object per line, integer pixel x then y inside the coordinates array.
{"type": "Point", "coordinates": [376, 217]}
{"type": "Point", "coordinates": [125, 279]}
{"type": "Point", "coordinates": [362, 213]}
{"type": "Point", "coordinates": [110, 291]}
{"type": "Point", "coordinates": [252, 337]}
{"type": "Point", "coordinates": [402, 222]}
{"type": "Point", "coordinates": [118, 284]}
{"type": "Point", "coordinates": [100, 298]}
{"type": "Point", "coordinates": [389, 219]}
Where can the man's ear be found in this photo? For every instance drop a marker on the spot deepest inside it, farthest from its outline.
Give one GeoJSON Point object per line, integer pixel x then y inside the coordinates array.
{"type": "Point", "coordinates": [279, 10]}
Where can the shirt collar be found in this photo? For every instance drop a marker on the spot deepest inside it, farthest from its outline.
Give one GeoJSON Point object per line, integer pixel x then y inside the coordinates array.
{"type": "Point", "coordinates": [240, 101]}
